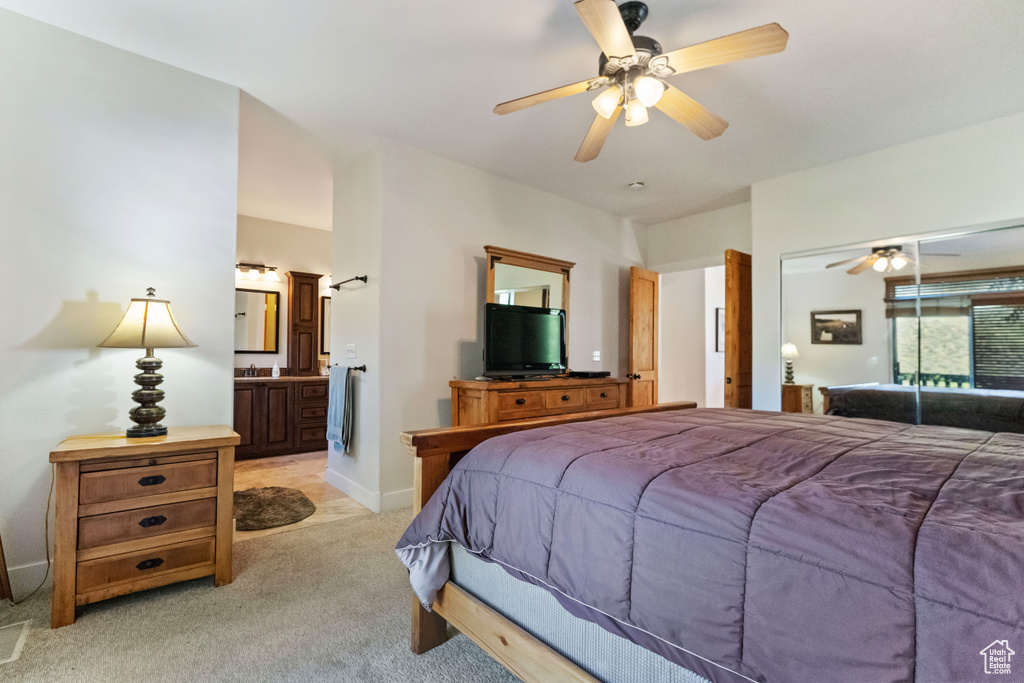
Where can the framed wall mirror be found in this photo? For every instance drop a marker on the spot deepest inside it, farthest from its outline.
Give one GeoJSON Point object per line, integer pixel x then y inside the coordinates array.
{"type": "Point", "coordinates": [325, 325]}
{"type": "Point", "coordinates": [257, 321]}
{"type": "Point", "coordinates": [517, 278]}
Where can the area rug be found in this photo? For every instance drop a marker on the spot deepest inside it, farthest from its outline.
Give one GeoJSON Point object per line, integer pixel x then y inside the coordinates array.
{"type": "Point", "coordinates": [270, 507]}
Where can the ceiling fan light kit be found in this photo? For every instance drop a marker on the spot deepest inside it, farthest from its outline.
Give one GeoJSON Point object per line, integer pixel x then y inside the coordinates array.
{"type": "Point", "coordinates": [631, 69]}
{"type": "Point", "coordinates": [881, 259]}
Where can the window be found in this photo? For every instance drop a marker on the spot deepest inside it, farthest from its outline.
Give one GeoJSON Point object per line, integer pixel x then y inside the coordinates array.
{"type": "Point", "coordinates": [961, 329]}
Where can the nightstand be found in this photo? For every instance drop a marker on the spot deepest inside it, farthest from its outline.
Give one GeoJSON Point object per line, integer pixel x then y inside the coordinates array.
{"type": "Point", "coordinates": [797, 398]}
{"type": "Point", "coordinates": [138, 513]}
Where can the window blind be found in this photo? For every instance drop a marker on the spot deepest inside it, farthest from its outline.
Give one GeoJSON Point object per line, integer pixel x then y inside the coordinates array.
{"type": "Point", "coordinates": [998, 331]}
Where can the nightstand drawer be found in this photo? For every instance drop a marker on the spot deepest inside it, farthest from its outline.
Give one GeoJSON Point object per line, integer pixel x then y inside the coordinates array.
{"type": "Point", "coordinates": [130, 525]}
{"type": "Point", "coordinates": [117, 569]}
{"type": "Point", "coordinates": [603, 397]}
{"type": "Point", "coordinates": [514, 403]}
{"type": "Point", "coordinates": [133, 482]}
{"type": "Point", "coordinates": [564, 398]}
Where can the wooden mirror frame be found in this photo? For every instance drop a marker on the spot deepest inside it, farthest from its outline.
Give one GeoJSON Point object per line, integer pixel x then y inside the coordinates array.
{"type": "Point", "coordinates": [522, 259]}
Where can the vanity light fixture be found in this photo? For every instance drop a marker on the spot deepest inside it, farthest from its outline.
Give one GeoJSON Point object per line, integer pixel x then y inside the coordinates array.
{"type": "Point", "coordinates": [256, 271]}
{"type": "Point", "coordinates": [147, 324]}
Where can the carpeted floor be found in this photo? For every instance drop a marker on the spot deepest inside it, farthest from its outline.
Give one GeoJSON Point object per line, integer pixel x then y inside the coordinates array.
{"type": "Point", "coordinates": [325, 603]}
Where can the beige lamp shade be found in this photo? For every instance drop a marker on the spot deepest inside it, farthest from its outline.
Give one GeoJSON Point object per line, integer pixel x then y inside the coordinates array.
{"type": "Point", "coordinates": [147, 324]}
{"type": "Point", "coordinates": [789, 351]}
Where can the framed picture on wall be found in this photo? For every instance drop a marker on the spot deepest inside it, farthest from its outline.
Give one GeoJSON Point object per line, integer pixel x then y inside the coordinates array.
{"type": "Point", "coordinates": [835, 327]}
{"type": "Point", "coordinates": [720, 330]}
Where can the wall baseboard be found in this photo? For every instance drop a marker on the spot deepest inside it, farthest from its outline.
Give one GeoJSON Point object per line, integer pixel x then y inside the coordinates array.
{"type": "Point", "coordinates": [26, 578]}
{"type": "Point", "coordinates": [362, 495]}
{"type": "Point", "coordinates": [396, 499]}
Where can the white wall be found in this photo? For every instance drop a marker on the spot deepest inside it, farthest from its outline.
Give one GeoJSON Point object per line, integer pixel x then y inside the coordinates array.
{"type": "Point", "coordinates": [289, 248]}
{"type": "Point", "coordinates": [116, 173]}
{"type": "Point", "coordinates": [962, 178]}
{"type": "Point", "coordinates": [682, 331]}
{"type": "Point", "coordinates": [435, 216]}
{"type": "Point", "coordinates": [714, 361]}
{"type": "Point", "coordinates": [697, 241]}
{"type": "Point", "coordinates": [836, 364]}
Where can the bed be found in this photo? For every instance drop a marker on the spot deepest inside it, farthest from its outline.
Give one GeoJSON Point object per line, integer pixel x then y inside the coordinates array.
{"type": "Point", "coordinates": [987, 409]}
{"type": "Point", "coordinates": [737, 545]}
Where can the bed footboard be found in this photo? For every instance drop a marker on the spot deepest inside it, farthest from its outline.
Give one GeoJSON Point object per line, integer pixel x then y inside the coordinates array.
{"type": "Point", "coordinates": [435, 452]}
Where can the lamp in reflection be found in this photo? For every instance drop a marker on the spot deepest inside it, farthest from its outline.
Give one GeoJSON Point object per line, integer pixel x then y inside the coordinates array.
{"type": "Point", "coordinates": [789, 352]}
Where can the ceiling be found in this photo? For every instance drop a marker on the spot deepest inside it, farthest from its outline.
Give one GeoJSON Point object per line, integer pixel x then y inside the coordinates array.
{"type": "Point", "coordinates": [855, 77]}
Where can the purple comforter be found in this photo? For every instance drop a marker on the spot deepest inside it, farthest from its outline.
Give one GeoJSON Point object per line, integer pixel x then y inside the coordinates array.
{"type": "Point", "coordinates": [757, 545]}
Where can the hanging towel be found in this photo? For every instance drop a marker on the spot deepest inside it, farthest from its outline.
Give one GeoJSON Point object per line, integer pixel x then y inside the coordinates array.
{"type": "Point", "coordinates": [341, 409]}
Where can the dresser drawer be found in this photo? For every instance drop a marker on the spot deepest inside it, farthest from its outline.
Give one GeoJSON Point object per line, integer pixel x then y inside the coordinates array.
{"type": "Point", "coordinates": [564, 398]}
{"type": "Point", "coordinates": [130, 525]}
{"type": "Point", "coordinates": [313, 434]}
{"type": "Point", "coordinates": [513, 404]}
{"type": "Point", "coordinates": [117, 569]}
{"type": "Point", "coordinates": [603, 397]}
{"type": "Point", "coordinates": [313, 413]}
{"type": "Point", "coordinates": [133, 482]}
{"type": "Point", "coordinates": [312, 392]}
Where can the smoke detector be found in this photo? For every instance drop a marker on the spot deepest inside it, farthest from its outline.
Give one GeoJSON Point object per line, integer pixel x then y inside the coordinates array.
{"type": "Point", "coordinates": [636, 185]}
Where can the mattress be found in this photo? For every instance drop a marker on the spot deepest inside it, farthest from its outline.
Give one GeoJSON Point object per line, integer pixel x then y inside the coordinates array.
{"type": "Point", "coordinates": [605, 656]}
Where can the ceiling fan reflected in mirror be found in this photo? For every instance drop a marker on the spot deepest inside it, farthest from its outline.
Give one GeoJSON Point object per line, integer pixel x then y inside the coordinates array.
{"type": "Point", "coordinates": [882, 259]}
{"type": "Point", "coordinates": [631, 70]}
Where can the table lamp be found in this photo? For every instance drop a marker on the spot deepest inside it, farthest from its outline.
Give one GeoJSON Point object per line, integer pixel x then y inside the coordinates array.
{"type": "Point", "coordinates": [147, 324]}
{"type": "Point", "coordinates": [789, 352]}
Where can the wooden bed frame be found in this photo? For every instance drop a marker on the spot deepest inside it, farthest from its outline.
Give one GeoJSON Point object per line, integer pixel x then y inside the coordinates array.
{"type": "Point", "coordinates": [435, 452]}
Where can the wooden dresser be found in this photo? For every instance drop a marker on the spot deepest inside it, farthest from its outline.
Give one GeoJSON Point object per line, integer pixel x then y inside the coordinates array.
{"type": "Point", "coordinates": [133, 514]}
{"type": "Point", "coordinates": [481, 402]}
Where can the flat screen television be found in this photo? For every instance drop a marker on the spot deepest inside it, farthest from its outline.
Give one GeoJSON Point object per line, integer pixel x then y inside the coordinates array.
{"type": "Point", "coordinates": [523, 340]}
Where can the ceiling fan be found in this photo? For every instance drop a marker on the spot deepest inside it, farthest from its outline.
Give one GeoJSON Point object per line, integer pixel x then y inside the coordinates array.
{"type": "Point", "coordinates": [882, 259]}
{"type": "Point", "coordinates": [631, 68]}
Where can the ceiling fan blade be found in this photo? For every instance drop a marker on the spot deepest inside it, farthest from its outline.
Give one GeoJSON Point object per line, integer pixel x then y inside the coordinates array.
{"type": "Point", "coordinates": [839, 263]}
{"type": "Point", "coordinates": [691, 114]}
{"type": "Point", "coordinates": [868, 262]}
{"type": "Point", "coordinates": [596, 136]}
{"type": "Point", "coordinates": [604, 22]}
{"type": "Point", "coordinates": [541, 97]}
{"type": "Point", "coordinates": [754, 42]}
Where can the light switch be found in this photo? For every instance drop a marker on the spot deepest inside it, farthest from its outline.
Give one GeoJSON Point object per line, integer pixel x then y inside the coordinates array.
{"type": "Point", "coordinates": [350, 351]}
{"type": "Point", "coordinates": [597, 356]}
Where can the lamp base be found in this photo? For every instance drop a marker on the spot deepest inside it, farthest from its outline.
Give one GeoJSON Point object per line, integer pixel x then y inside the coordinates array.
{"type": "Point", "coordinates": [141, 431]}
{"type": "Point", "coordinates": [148, 414]}
{"type": "Point", "coordinates": [789, 372]}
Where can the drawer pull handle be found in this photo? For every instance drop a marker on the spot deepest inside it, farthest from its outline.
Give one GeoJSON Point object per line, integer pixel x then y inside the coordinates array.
{"type": "Point", "coordinates": [152, 521]}
{"type": "Point", "coordinates": [150, 564]}
{"type": "Point", "coordinates": [520, 401]}
{"type": "Point", "coordinates": [565, 398]}
{"type": "Point", "coordinates": [152, 481]}
{"type": "Point", "coordinates": [604, 394]}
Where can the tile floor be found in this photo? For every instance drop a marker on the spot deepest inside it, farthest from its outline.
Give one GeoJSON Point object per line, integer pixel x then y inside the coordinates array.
{"type": "Point", "coordinates": [303, 471]}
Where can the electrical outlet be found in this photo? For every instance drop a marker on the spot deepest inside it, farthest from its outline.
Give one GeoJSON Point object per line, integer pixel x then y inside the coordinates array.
{"type": "Point", "coordinates": [350, 351]}
{"type": "Point", "coordinates": [597, 356]}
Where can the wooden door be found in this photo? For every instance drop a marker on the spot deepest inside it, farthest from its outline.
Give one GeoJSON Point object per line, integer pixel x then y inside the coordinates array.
{"type": "Point", "coordinates": [277, 418]}
{"type": "Point", "coordinates": [739, 352]}
{"type": "Point", "coordinates": [643, 337]}
{"type": "Point", "coordinates": [246, 400]}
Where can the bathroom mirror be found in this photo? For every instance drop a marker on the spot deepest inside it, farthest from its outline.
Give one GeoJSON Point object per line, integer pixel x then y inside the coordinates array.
{"type": "Point", "coordinates": [520, 279]}
{"type": "Point", "coordinates": [325, 325]}
{"type": "Point", "coordinates": [256, 321]}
